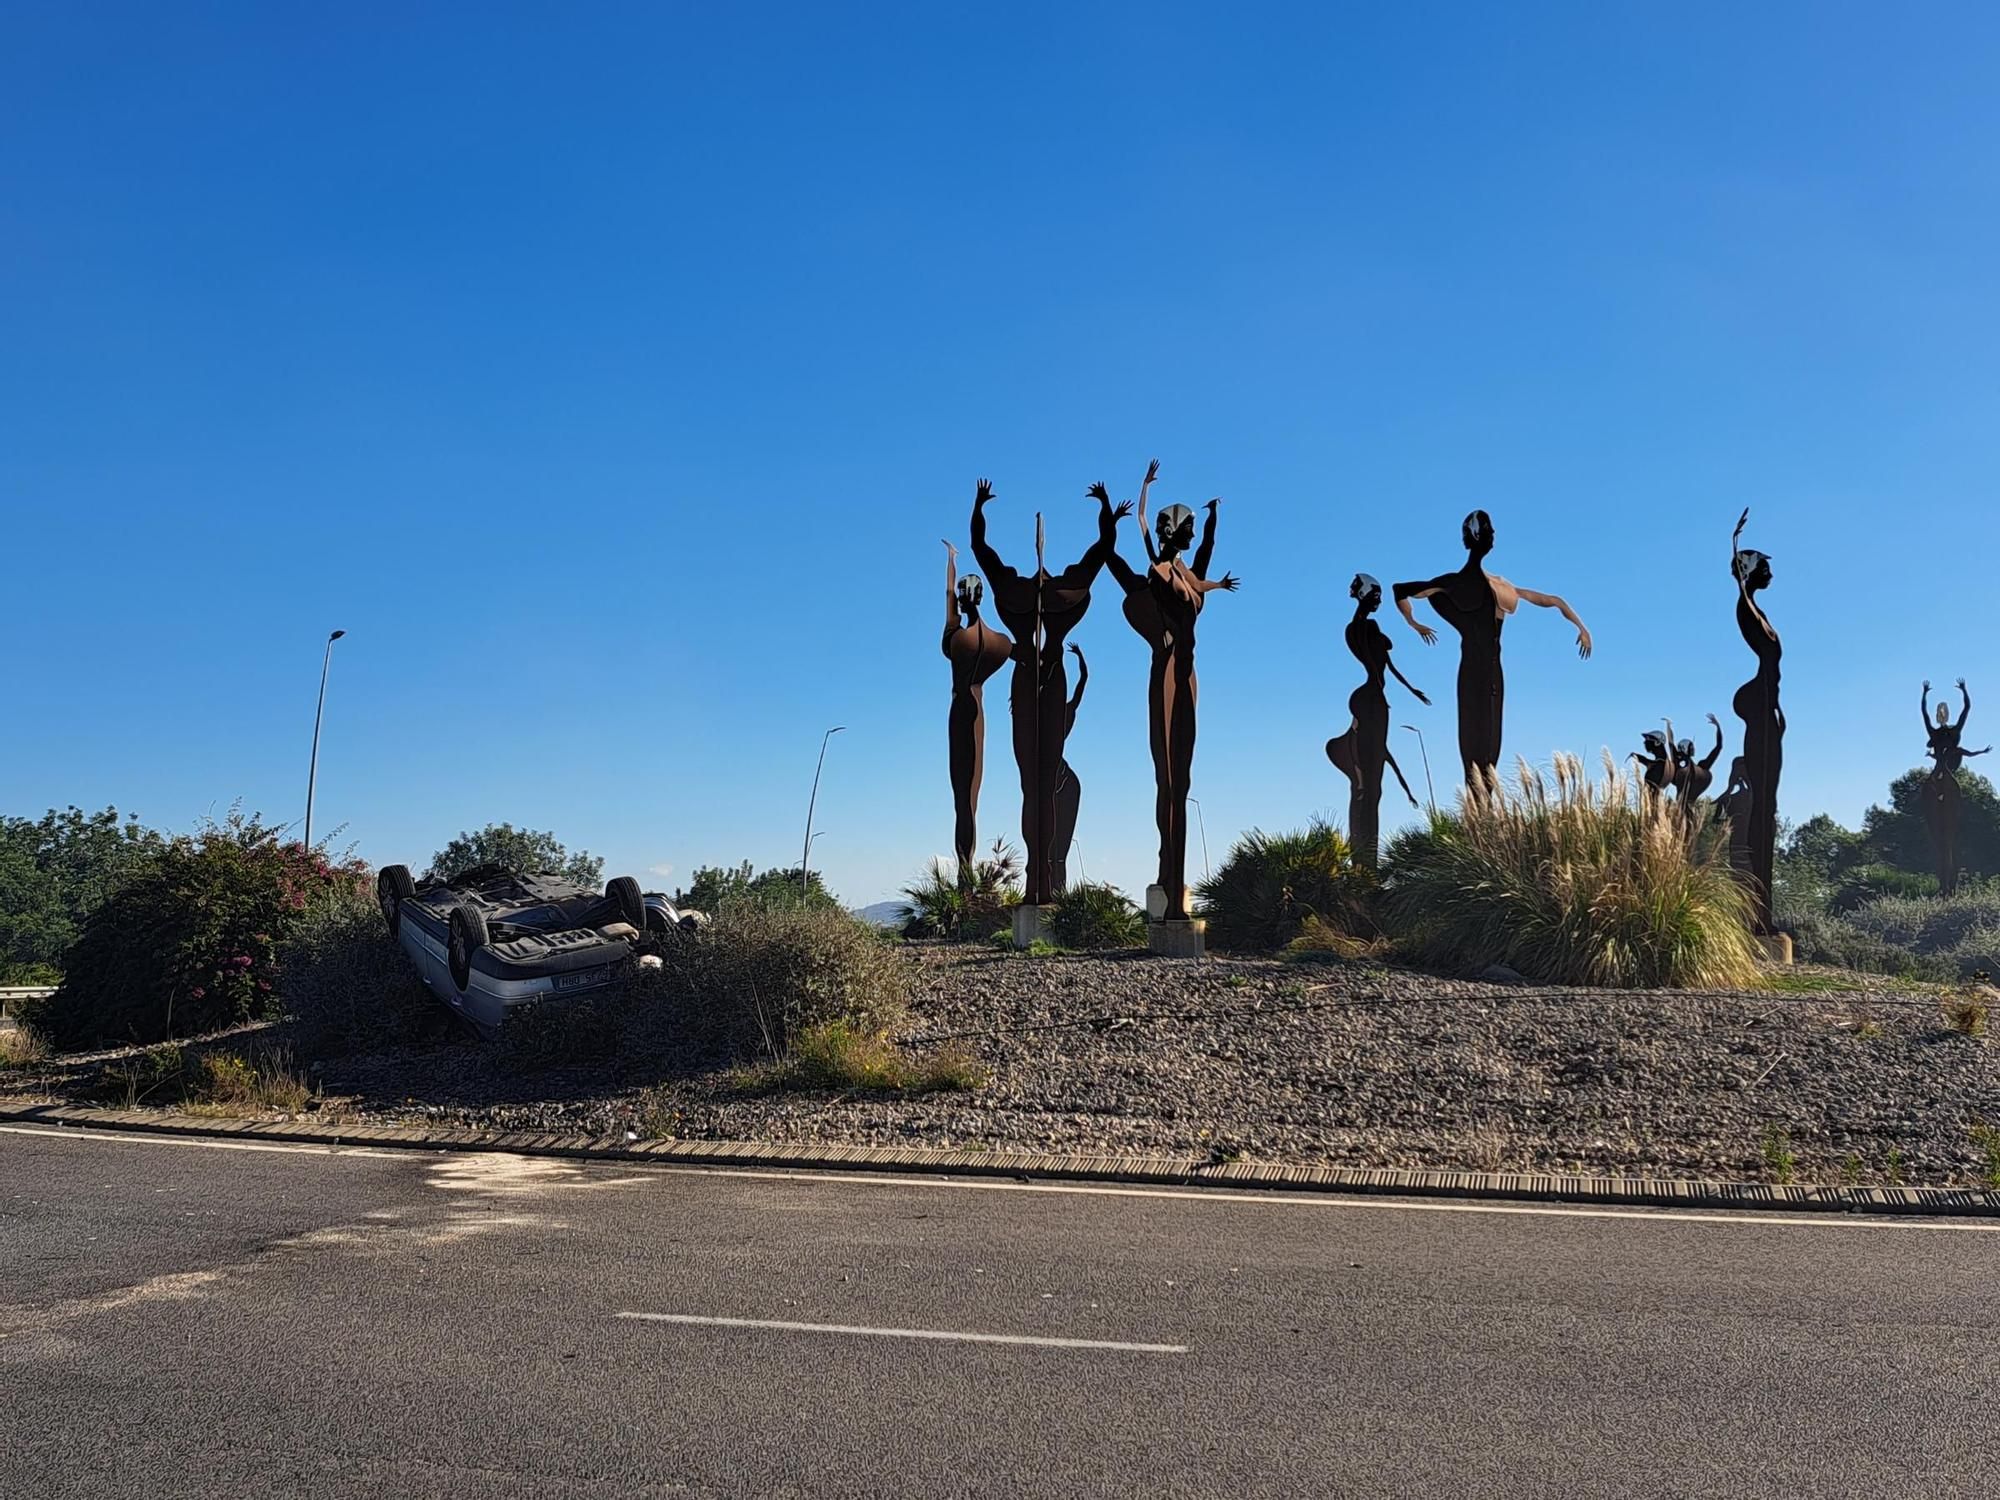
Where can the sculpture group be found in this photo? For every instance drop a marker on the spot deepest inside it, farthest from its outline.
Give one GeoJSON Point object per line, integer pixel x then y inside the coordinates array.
{"type": "Point", "coordinates": [1163, 601]}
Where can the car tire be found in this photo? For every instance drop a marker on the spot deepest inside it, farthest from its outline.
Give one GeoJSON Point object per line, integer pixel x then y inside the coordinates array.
{"type": "Point", "coordinates": [623, 892]}
{"type": "Point", "coordinates": [392, 888]}
{"type": "Point", "coordinates": [467, 937]}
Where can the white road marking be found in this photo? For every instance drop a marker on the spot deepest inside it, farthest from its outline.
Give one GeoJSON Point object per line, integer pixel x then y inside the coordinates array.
{"type": "Point", "coordinates": [1221, 1195]}
{"type": "Point", "coordinates": [783, 1326]}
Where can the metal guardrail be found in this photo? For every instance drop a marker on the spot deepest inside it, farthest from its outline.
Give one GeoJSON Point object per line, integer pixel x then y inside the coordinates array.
{"type": "Point", "coordinates": [10, 993]}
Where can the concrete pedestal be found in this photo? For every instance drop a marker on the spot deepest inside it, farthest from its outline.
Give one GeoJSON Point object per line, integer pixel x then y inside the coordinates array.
{"type": "Point", "coordinates": [1178, 939]}
{"type": "Point", "coordinates": [1777, 947]}
{"type": "Point", "coordinates": [1031, 925]}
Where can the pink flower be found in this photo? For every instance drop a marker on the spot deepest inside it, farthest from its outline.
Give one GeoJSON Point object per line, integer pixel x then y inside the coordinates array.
{"type": "Point", "coordinates": [199, 992]}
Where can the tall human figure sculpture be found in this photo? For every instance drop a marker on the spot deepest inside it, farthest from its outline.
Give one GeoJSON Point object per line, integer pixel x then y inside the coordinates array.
{"type": "Point", "coordinates": [1940, 791]}
{"type": "Point", "coordinates": [1364, 749]}
{"type": "Point", "coordinates": [1162, 604]}
{"type": "Point", "coordinates": [1041, 609]}
{"type": "Point", "coordinates": [1693, 778]}
{"type": "Point", "coordinates": [1476, 604]}
{"type": "Point", "coordinates": [1756, 704]}
{"type": "Point", "coordinates": [1069, 791]}
{"type": "Point", "coordinates": [976, 651]}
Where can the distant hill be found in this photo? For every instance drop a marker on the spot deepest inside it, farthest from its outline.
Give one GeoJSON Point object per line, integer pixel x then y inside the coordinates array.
{"type": "Point", "coordinates": [882, 913]}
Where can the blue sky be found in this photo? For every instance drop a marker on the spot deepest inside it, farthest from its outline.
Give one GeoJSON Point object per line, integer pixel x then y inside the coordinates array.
{"type": "Point", "coordinates": [611, 374]}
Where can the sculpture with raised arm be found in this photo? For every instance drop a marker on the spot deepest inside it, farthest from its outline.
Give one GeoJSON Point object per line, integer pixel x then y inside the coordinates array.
{"type": "Point", "coordinates": [1069, 791]}
{"type": "Point", "coordinates": [1476, 604]}
{"type": "Point", "coordinates": [1693, 778]}
{"type": "Point", "coordinates": [1041, 609]}
{"type": "Point", "coordinates": [1656, 760]}
{"type": "Point", "coordinates": [1162, 604]}
{"type": "Point", "coordinates": [1941, 791]}
{"type": "Point", "coordinates": [976, 651]}
{"type": "Point", "coordinates": [1756, 704]}
{"type": "Point", "coordinates": [1363, 750]}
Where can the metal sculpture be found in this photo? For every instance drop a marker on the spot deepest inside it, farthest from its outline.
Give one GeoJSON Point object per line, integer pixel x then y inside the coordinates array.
{"type": "Point", "coordinates": [1693, 778]}
{"type": "Point", "coordinates": [1476, 604]}
{"type": "Point", "coordinates": [1656, 760]}
{"type": "Point", "coordinates": [1756, 704]}
{"type": "Point", "coordinates": [1069, 790]}
{"type": "Point", "coordinates": [1162, 605]}
{"type": "Point", "coordinates": [1941, 791]}
{"type": "Point", "coordinates": [976, 651]}
{"type": "Point", "coordinates": [1041, 609]}
{"type": "Point", "coordinates": [1363, 750]}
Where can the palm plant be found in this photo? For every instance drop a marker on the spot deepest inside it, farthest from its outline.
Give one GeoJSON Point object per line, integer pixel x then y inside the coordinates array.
{"type": "Point", "coordinates": [963, 905]}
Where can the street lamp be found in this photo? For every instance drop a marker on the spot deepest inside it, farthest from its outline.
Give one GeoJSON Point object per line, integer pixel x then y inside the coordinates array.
{"type": "Point", "coordinates": [1202, 823]}
{"type": "Point", "coordinates": [1429, 790]}
{"type": "Point", "coordinates": [312, 774]}
{"type": "Point", "coordinates": [805, 855]}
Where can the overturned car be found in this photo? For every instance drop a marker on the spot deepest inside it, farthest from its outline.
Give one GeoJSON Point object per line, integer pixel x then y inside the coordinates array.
{"type": "Point", "coordinates": [490, 939]}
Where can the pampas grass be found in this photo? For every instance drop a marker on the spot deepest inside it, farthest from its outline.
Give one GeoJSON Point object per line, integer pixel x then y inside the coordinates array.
{"type": "Point", "coordinates": [1571, 881]}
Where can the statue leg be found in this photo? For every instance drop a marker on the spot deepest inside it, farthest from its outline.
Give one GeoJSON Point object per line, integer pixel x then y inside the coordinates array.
{"type": "Point", "coordinates": [1053, 726]}
{"type": "Point", "coordinates": [1180, 752]}
{"type": "Point", "coordinates": [1474, 703]}
{"type": "Point", "coordinates": [968, 733]}
{"type": "Point", "coordinates": [1156, 734]}
{"type": "Point", "coordinates": [1069, 794]}
{"type": "Point", "coordinates": [1026, 757]}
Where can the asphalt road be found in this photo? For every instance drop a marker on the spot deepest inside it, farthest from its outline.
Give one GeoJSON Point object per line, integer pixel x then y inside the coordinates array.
{"type": "Point", "coordinates": [180, 1318]}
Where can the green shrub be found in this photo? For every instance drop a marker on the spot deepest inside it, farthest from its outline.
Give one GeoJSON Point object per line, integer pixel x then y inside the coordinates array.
{"type": "Point", "coordinates": [1819, 938]}
{"type": "Point", "coordinates": [839, 1057]}
{"type": "Point", "coordinates": [963, 907]}
{"type": "Point", "coordinates": [347, 985]}
{"type": "Point", "coordinates": [20, 1048]}
{"type": "Point", "coordinates": [1582, 884]}
{"type": "Point", "coordinates": [1091, 915]}
{"type": "Point", "coordinates": [715, 887]}
{"type": "Point", "coordinates": [213, 1083]}
{"type": "Point", "coordinates": [1271, 885]}
{"type": "Point", "coordinates": [189, 942]}
{"type": "Point", "coordinates": [1869, 883]}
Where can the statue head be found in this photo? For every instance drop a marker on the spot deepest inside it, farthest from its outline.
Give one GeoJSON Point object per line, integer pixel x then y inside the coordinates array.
{"type": "Point", "coordinates": [1753, 568]}
{"type": "Point", "coordinates": [1944, 715]}
{"type": "Point", "coordinates": [1367, 591]}
{"type": "Point", "coordinates": [971, 589]}
{"type": "Point", "coordinates": [1478, 533]}
{"type": "Point", "coordinates": [1655, 742]}
{"type": "Point", "coordinates": [1174, 526]}
{"type": "Point", "coordinates": [1684, 750]}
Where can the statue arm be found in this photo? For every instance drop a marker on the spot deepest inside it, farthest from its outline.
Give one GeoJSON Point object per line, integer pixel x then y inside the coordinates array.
{"type": "Point", "coordinates": [1965, 708]}
{"type": "Point", "coordinates": [1206, 550]}
{"type": "Point", "coordinates": [1145, 534]}
{"type": "Point", "coordinates": [996, 570]}
{"type": "Point", "coordinates": [1082, 681]}
{"type": "Point", "coordinates": [1708, 764]}
{"type": "Point", "coordinates": [950, 593]}
{"type": "Point", "coordinates": [1561, 605]}
{"type": "Point", "coordinates": [1227, 582]}
{"type": "Point", "coordinates": [1390, 757]}
{"type": "Point", "coordinates": [1390, 662]}
{"type": "Point", "coordinates": [1405, 592]}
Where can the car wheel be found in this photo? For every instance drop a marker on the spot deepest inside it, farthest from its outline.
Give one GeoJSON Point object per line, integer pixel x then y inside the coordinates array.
{"type": "Point", "coordinates": [392, 888]}
{"type": "Point", "coordinates": [623, 892]}
{"type": "Point", "coordinates": [467, 937]}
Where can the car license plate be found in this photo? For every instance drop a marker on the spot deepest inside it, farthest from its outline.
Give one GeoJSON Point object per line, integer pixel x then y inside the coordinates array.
{"type": "Point", "coordinates": [581, 979]}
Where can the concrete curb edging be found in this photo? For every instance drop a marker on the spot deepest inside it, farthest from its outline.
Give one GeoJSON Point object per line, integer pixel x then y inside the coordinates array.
{"type": "Point", "coordinates": [1630, 1192]}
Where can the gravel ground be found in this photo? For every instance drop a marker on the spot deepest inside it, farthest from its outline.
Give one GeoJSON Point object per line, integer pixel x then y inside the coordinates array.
{"type": "Point", "coordinates": [1336, 1063]}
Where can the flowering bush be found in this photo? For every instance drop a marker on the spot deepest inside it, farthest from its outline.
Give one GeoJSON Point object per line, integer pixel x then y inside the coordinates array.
{"type": "Point", "coordinates": [190, 943]}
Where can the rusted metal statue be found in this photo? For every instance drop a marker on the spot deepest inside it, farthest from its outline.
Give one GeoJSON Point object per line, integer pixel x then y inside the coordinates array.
{"type": "Point", "coordinates": [1756, 704]}
{"type": "Point", "coordinates": [1162, 604]}
{"type": "Point", "coordinates": [1656, 760]}
{"type": "Point", "coordinates": [976, 651]}
{"type": "Point", "coordinates": [1476, 604]}
{"type": "Point", "coordinates": [1363, 750]}
{"type": "Point", "coordinates": [1041, 609]}
{"type": "Point", "coordinates": [1942, 800]}
{"type": "Point", "coordinates": [1693, 778]}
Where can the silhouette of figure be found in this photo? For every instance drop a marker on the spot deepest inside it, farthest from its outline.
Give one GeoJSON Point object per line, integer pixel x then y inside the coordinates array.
{"type": "Point", "coordinates": [976, 651]}
{"type": "Point", "coordinates": [1656, 760]}
{"type": "Point", "coordinates": [1069, 791]}
{"type": "Point", "coordinates": [1041, 610]}
{"type": "Point", "coordinates": [1756, 704]}
{"type": "Point", "coordinates": [1693, 778]}
{"type": "Point", "coordinates": [1162, 604]}
{"type": "Point", "coordinates": [1476, 604]}
{"type": "Point", "coordinates": [1941, 792]}
{"type": "Point", "coordinates": [1363, 750]}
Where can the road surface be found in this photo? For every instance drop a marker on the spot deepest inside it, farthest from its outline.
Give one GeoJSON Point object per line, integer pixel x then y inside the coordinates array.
{"type": "Point", "coordinates": [220, 1319]}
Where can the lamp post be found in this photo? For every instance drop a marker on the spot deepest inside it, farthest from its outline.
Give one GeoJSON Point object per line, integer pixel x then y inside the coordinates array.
{"type": "Point", "coordinates": [805, 855]}
{"type": "Point", "coordinates": [312, 773]}
{"type": "Point", "coordinates": [1429, 790]}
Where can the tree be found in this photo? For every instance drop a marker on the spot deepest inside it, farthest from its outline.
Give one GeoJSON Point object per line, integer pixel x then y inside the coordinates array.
{"type": "Point", "coordinates": [715, 887]}
{"type": "Point", "coordinates": [54, 872]}
{"type": "Point", "coordinates": [518, 850]}
{"type": "Point", "coordinates": [1813, 859]}
{"type": "Point", "coordinates": [1897, 835]}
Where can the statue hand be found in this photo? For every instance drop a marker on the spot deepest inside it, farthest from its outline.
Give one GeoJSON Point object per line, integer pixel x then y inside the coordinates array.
{"type": "Point", "coordinates": [1741, 521]}
{"type": "Point", "coordinates": [984, 493]}
{"type": "Point", "coordinates": [1099, 493]}
{"type": "Point", "coordinates": [1427, 635]}
{"type": "Point", "coordinates": [1228, 581]}
{"type": "Point", "coordinates": [1152, 470]}
{"type": "Point", "coordinates": [1420, 697]}
{"type": "Point", "coordinates": [1927, 684]}
{"type": "Point", "coordinates": [1583, 643]}
{"type": "Point", "coordinates": [1210, 507]}
{"type": "Point", "coordinates": [949, 548]}
{"type": "Point", "coordinates": [1961, 684]}
{"type": "Point", "coordinates": [1121, 510]}
{"type": "Point", "coordinates": [1076, 650]}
